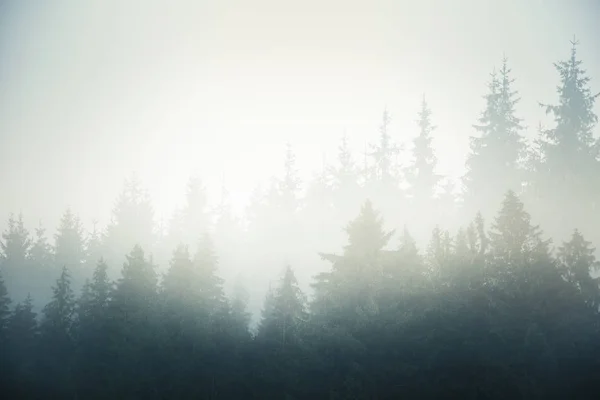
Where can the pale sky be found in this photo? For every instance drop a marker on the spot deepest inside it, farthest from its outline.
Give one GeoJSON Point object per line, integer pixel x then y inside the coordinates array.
{"type": "Point", "coordinates": [93, 90]}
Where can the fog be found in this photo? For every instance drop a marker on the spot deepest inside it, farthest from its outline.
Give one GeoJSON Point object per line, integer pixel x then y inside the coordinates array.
{"type": "Point", "coordinates": [230, 116]}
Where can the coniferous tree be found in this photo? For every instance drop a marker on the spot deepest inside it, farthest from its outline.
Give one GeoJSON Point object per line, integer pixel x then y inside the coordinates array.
{"type": "Point", "coordinates": [209, 284]}
{"type": "Point", "coordinates": [494, 164]}
{"type": "Point", "coordinates": [422, 175]}
{"type": "Point", "coordinates": [4, 308]}
{"type": "Point", "coordinates": [69, 248]}
{"type": "Point", "coordinates": [514, 241]}
{"type": "Point", "coordinates": [578, 263]}
{"type": "Point", "coordinates": [345, 189]}
{"type": "Point", "coordinates": [384, 153]}
{"type": "Point", "coordinates": [569, 151]}
{"type": "Point", "coordinates": [14, 247]}
{"type": "Point", "coordinates": [285, 310]}
{"type": "Point", "coordinates": [356, 275]}
{"type": "Point", "coordinates": [41, 260]}
{"type": "Point", "coordinates": [132, 224]}
{"type": "Point", "coordinates": [132, 313]}
{"type": "Point", "coordinates": [57, 338]}
{"type": "Point", "coordinates": [21, 339]}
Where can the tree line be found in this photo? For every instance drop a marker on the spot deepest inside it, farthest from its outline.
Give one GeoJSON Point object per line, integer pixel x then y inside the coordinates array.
{"type": "Point", "coordinates": [493, 310]}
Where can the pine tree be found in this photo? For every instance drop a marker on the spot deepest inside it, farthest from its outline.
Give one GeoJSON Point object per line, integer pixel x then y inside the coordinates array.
{"type": "Point", "coordinates": [69, 248]}
{"type": "Point", "coordinates": [93, 249]}
{"type": "Point", "coordinates": [22, 339]}
{"type": "Point", "coordinates": [94, 359]}
{"type": "Point", "coordinates": [132, 224]}
{"type": "Point", "coordinates": [207, 281]}
{"type": "Point", "coordinates": [40, 253]}
{"type": "Point", "coordinates": [344, 180]}
{"type": "Point", "coordinates": [421, 174]}
{"type": "Point", "coordinates": [284, 312]}
{"type": "Point", "coordinates": [356, 275]}
{"type": "Point", "coordinates": [133, 320]}
{"type": "Point", "coordinates": [514, 241]}
{"type": "Point", "coordinates": [57, 338]}
{"type": "Point", "coordinates": [4, 308]}
{"type": "Point", "coordinates": [570, 147]}
{"type": "Point", "coordinates": [195, 212]}
{"type": "Point", "coordinates": [14, 246]}
{"type": "Point", "coordinates": [179, 284]}
{"type": "Point", "coordinates": [384, 153]}
{"type": "Point", "coordinates": [41, 260]}
{"type": "Point", "coordinates": [289, 186]}
{"type": "Point", "coordinates": [95, 300]}
{"type": "Point", "coordinates": [494, 164]}
{"type": "Point", "coordinates": [570, 152]}
{"type": "Point", "coordinates": [58, 314]}
{"type": "Point", "coordinates": [578, 263]}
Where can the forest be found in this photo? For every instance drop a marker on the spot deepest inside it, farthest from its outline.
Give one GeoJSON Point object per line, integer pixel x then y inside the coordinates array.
{"type": "Point", "coordinates": [374, 294]}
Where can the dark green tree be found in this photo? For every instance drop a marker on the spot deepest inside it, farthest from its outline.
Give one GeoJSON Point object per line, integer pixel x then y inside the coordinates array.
{"type": "Point", "coordinates": [578, 263]}
{"type": "Point", "coordinates": [284, 312]}
{"type": "Point", "coordinates": [4, 308]}
{"type": "Point", "coordinates": [22, 340]}
{"type": "Point", "coordinates": [56, 359]}
{"type": "Point", "coordinates": [133, 323]}
{"type": "Point", "coordinates": [16, 269]}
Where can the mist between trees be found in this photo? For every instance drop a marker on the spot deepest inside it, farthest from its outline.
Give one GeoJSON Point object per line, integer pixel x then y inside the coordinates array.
{"type": "Point", "coordinates": [379, 282]}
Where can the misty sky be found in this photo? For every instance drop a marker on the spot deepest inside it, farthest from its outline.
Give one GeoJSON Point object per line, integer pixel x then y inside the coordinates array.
{"type": "Point", "coordinates": [93, 90]}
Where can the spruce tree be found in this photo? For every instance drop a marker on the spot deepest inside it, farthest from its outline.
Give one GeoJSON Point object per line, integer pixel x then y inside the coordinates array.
{"type": "Point", "coordinates": [578, 263]}
{"type": "Point", "coordinates": [207, 280]}
{"type": "Point", "coordinates": [22, 340]}
{"type": "Point", "coordinates": [69, 248]}
{"type": "Point", "coordinates": [57, 338]}
{"type": "Point", "coordinates": [421, 174]}
{"type": "Point", "coordinates": [384, 153]}
{"type": "Point", "coordinates": [284, 312]}
{"type": "Point", "coordinates": [514, 241]}
{"type": "Point", "coordinates": [494, 164]}
{"type": "Point", "coordinates": [356, 276]}
{"type": "Point", "coordinates": [14, 246]}
{"type": "Point", "coordinates": [4, 308]}
{"type": "Point", "coordinates": [289, 186]}
{"type": "Point", "coordinates": [570, 164]}
{"type": "Point", "coordinates": [132, 224]}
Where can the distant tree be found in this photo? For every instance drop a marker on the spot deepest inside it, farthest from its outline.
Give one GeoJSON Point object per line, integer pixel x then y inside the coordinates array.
{"type": "Point", "coordinates": [384, 153]}
{"type": "Point", "coordinates": [494, 163]}
{"type": "Point", "coordinates": [16, 269]}
{"type": "Point", "coordinates": [132, 224]}
{"type": "Point", "coordinates": [356, 275]}
{"type": "Point", "coordinates": [133, 324]}
{"type": "Point", "coordinates": [578, 263]}
{"type": "Point", "coordinates": [344, 180]}
{"type": "Point", "coordinates": [289, 185]}
{"type": "Point", "coordinates": [514, 241]}
{"type": "Point", "coordinates": [22, 340]}
{"type": "Point", "coordinates": [569, 162]}
{"type": "Point", "coordinates": [421, 174]}
{"type": "Point", "coordinates": [57, 339]}
{"type": "Point", "coordinates": [69, 248]}
{"type": "Point", "coordinates": [4, 308]}
{"type": "Point", "coordinates": [207, 281]}
{"type": "Point", "coordinates": [284, 312]}
{"type": "Point", "coordinates": [93, 249]}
